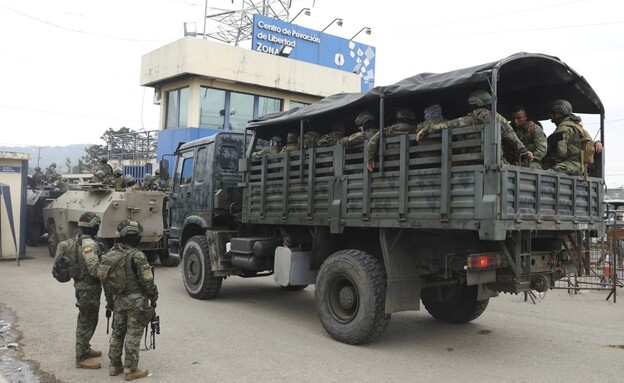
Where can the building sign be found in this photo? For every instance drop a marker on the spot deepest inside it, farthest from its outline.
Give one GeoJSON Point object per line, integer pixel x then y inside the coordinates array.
{"type": "Point", "coordinates": [272, 36]}
{"type": "Point", "coordinates": [10, 169]}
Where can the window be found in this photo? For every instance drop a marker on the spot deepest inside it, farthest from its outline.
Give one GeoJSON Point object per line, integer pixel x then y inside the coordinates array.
{"type": "Point", "coordinates": [177, 108]}
{"type": "Point", "coordinates": [211, 108]}
{"type": "Point", "coordinates": [201, 165]}
{"type": "Point", "coordinates": [296, 104]}
{"type": "Point", "coordinates": [184, 169]}
{"type": "Point", "coordinates": [225, 109]}
{"type": "Point", "coordinates": [228, 158]}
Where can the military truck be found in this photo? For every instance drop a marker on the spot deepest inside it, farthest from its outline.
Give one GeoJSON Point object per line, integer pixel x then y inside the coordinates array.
{"type": "Point", "coordinates": [444, 221]}
{"type": "Point", "coordinates": [112, 206]}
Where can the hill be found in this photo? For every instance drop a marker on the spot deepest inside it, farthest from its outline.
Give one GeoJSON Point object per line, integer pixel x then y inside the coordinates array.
{"type": "Point", "coordinates": [43, 156]}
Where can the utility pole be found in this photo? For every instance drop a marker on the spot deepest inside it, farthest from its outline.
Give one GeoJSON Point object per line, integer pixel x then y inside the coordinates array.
{"type": "Point", "coordinates": [38, 154]}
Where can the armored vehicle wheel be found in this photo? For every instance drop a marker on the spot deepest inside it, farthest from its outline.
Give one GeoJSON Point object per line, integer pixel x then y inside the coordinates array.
{"type": "Point", "coordinates": [197, 274]}
{"type": "Point", "coordinates": [52, 239]}
{"type": "Point", "coordinates": [33, 235]}
{"type": "Point", "coordinates": [350, 296]}
{"type": "Point", "coordinates": [461, 305]}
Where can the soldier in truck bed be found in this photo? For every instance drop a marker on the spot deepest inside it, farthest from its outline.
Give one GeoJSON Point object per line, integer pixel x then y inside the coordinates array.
{"type": "Point", "coordinates": [480, 100]}
{"type": "Point", "coordinates": [532, 136]}
{"type": "Point", "coordinates": [406, 122]}
{"type": "Point", "coordinates": [365, 122]}
{"type": "Point", "coordinates": [275, 145]}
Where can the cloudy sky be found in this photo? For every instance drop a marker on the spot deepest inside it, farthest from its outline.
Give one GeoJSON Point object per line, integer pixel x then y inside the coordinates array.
{"type": "Point", "coordinates": [70, 68]}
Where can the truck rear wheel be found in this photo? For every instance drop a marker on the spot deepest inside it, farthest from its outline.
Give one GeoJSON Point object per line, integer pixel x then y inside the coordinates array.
{"type": "Point", "coordinates": [350, 296]}
{"type": "Point", "coordinates": [52, 239]}
{"type": "Point", "coordinates": [461, 307]}
{"type": "Point", "coordinates": [199, 280]}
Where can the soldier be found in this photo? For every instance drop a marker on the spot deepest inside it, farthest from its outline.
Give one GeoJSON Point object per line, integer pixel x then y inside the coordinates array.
{"type": "Point", "coordinates": [310, 139]}
{"type": "Point", "coordinates": [117, 182]}
{"type": "Point", "coordinates": [275, 145]}
{"type": "Point", "coordinates": [105, 167]}
{"type": "Point", "coordinates": [131, 305]}
{"type": "Point", "coordinates": [566, 143]}
{"type": "Point", "coordinates": [479, 100]}
{"type": "Point", "coordinates": [51, 175]}
{"type": "Point", "coordinates": [128, 181]}
{"type": "Point", "coordinates": [99, 177]}
{"type": "Point", "coordinates": [292, 143]}
{"type": "Point", "coordinates": [159, 181]}
{"type": "Point", "coordinates": [331, 138]}
{"type": "Point", "coordinates": [87, 285]}
{"type": "Point", "coordinates": [406, 120]}
{"type": "Point", "coordinates": [365, 121]}
{"type": "Point", "coordinates": [532, 136]}
{"type": "Point", "coordinates": [148, 183]}
{"type": "Point", "coordinates": [38, 177]}
{"type": "Point", "coordinates": [433, 115]}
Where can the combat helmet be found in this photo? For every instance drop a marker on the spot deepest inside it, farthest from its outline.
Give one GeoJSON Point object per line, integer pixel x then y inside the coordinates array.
{"type": "Point", "coordinates": [129, 227]}
{"type": "Point", "coordinates": [562, 106]}
{"type": "Point", "coordinates": [405, 114]}
{"type": "Point", "coordinates": [89, 219]}
{"type": "Point", "coordinates": [291, 138]}
{"type": "Point", "coordinates": [37, 169]}
{"type": "Point", "coordinates": [276, 141]}
{"type": "Point", "coordinates": [363, 117]}
{"type": "Point", "coordinates": [53, 165]}
{"type": "Point", "coordinates": [480, 98]}
{"type": "Point", "coordinates": [147, 176]}
{"type": "Point", "coordinates": [100, 174]}
{"type": "Point", "coordinates": [103, 159]}
{"type": "Point", "coordinates": [118, 171]}
{"type": "Point", "coordinates": [129, 179]}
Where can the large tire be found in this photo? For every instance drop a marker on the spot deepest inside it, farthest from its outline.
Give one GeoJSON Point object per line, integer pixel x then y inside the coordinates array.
{"type": "Point", "coordinates": [199, 280]}
{"type": "Point", "coordinates": [33, 235]}
{"type": "Point", "coordinates": [350, 296]}
{"type": "Point", "coordinates": [53, 240]}
{"type": "Point", "coordinates": [461, 305]}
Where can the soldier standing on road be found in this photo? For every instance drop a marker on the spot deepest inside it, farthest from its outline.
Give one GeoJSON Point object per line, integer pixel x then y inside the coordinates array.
{"type": "Point", "coordinates": [87, 285]}
{"type": "Point", "coordinates": [129, 306]}
{"type": "Point", "coordinates": [532, 136]}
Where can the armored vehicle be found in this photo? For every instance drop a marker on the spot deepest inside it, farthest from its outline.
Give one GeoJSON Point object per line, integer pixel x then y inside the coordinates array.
{"type": "Point", "coordinates": [35, 201]}
{"type": "Point", "coordinates": [112, 206]}
{"type": "Point", "coordinates": [443, 221]}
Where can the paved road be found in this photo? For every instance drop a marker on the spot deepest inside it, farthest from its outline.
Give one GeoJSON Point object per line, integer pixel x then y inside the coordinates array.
{"type": "Point", "coordinates": [255, 332]}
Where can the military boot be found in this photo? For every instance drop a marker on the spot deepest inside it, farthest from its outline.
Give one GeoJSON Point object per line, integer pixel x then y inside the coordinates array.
{"type": "Point", "coordinates": [135, 373]}
{"type": "Point", "coordinates": [88, 363]}
{"type": "Point", "coordinates": [115, 370]}
{"type": "Point", "coordinates": [93, 354]}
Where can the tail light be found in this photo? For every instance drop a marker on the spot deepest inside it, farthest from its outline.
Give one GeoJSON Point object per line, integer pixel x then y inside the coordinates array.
{"type": "Point", "coordinates": [483, 261]}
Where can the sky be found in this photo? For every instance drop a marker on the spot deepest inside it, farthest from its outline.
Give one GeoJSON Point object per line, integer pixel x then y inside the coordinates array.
{"type": "Point", "coordinates": [70, 69]}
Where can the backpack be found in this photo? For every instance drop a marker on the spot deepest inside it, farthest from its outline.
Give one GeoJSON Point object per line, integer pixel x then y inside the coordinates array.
{"type": "Point", "coordinates": [65, 265]}
{"type": "Point", "coordinates": [587, 144]}
{"type": "Point", "coordinates": [112, 270]}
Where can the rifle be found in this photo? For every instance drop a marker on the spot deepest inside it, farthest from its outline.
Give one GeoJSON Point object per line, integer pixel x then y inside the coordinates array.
{"type": "Point", "coordinates": [155, 326]}
{"type": "Point", "coordinates": [108, 315]}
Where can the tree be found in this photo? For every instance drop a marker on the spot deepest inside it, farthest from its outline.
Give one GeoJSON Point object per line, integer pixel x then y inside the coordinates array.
{"type": "Point", "coordinates": [92, 157]}
{"type": "Point", "coordinates": [68, 164]}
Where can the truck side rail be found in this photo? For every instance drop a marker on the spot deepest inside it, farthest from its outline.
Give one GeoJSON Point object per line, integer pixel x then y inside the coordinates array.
{"type": "Point", "coordinates": [438, 183]}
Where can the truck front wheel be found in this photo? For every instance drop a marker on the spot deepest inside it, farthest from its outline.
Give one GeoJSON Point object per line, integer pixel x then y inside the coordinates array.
{"type": "Point", "coordinates": [350, 296]}
{"type": "Point", "coordinates": [460, 306]}
{"type": "Point", "coordinates": [53, 240]}
{"type": "Point", "coordinates": [199, 279]}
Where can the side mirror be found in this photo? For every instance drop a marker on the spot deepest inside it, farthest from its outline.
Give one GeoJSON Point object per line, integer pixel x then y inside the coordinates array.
{"type": "Point", "coordinates": [164, 169]}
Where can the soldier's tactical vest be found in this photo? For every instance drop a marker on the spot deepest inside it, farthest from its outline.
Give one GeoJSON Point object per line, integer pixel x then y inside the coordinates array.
{"type": "Point", "coordinates": [82, 274]}
{"type": "Point", "coordinates": [132, 284]}
{"type": "Point", "coordinates": [581, 143]}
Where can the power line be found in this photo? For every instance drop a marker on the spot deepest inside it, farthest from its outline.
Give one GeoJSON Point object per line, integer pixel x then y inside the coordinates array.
{"type": "Point", "coordinates": [71, 29]}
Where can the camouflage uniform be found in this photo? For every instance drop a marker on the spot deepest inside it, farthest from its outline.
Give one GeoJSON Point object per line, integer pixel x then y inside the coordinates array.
{"type": "Point", "coordinates": [118, 183]}
{"type": "Point", "coordinates": [38, 177]}
{"type": "Point", "coordinates": [565, 148]}
{"type": "Point", "coordinates": [357, 138]}
{"type": "Point", "coordinates": [428, 123]}
{"type": "Point", "coordinates": [265, 152]}
{"type": "Point", "coordinates": [533, 137]}
{"type": "Point", "coordinates": [405, 125]}
{"type": "Point", "coordinates": [310, 139]}
{"type": "Point", "coordinates": [480, 116]}
{"type": "Point", "coordinates": [106, 168]}
{"type": "Point", "coordinates": [88, 289]}
{"type": "Point", "coordinates": [292, 143]}
{"type": "Point", "coordinates": [128, 306]}
{"type": "Point", "coordinates": [51, 175]}
{"type": "Point", "coordinates": [329, 139]}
